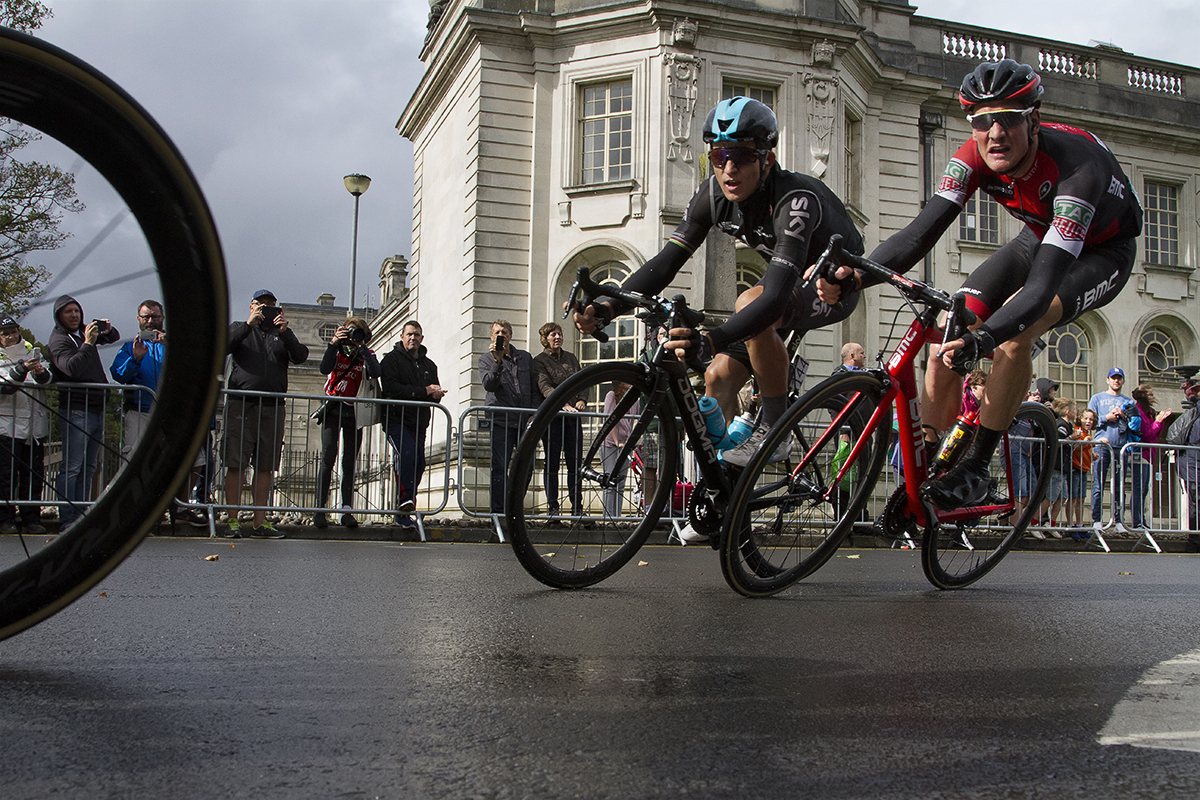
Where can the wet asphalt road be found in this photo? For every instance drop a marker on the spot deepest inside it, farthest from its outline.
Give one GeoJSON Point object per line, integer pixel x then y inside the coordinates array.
{"type": "Point", "coordinates": [335, 669]}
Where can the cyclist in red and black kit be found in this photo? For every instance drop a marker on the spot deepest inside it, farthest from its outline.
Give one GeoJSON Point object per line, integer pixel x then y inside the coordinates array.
{"type": "Point", "coordinates": [785, 216]}
{"type": "Point", "coordinates": [1075, 253]}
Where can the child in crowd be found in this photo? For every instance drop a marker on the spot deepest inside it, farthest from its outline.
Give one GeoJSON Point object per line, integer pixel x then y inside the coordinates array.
{"type": "Point", "coordinates": [1064, 418]}
{"type": "Point", "coordinates": [1081, 465]}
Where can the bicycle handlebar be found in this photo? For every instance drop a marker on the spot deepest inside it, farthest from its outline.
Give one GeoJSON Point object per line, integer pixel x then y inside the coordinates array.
{"type": "Point", "coordinates": [959, 318]}
{"type": "Point", "coordinates": [585, 290]}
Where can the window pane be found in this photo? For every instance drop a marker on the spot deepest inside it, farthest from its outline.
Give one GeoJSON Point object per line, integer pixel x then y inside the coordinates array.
{"type": "Point", "coordinates": [606, 132]}
{"type": "Point", "coordinates": [1161, 223]}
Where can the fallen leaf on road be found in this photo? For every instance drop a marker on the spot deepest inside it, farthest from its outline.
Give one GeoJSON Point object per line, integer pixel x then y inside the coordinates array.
{"type": "Point", "coordinates": [643, 563]}
{"type": "Point", "coordinates": [102, 594]}
{"type": "Point", "coordinates": [1124, 573]}
{"type": "Point", "coordinates": [211, 558]}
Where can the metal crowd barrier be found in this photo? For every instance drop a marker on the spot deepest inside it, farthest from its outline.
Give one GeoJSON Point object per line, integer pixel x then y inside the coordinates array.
{"type": "Point", "coordinates": [1142, 478]}
{"type": "Point", "coordinates": [479, 429]}
{"type": "Point", "coordinates": [39, 437]}
{"type": "Point", "coordinates": [294, 486]}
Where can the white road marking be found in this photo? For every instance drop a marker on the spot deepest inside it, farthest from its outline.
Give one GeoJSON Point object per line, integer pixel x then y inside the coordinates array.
{"type": "Point", "coordinates": [1162, 710]}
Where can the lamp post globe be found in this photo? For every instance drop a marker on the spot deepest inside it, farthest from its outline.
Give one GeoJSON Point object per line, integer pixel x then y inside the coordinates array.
{"type": "Point", "coordinates": [356, 185]}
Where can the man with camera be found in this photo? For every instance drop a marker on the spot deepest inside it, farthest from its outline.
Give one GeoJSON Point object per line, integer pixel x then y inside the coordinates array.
{"type": "Point", "coordinates": [508, 377]}
{"type": "Point", "coordinates": [139, 363]}
{"type": "Point", "coordinates": [261, 348]}
{"type": "Point", "coordinates": [75, 359]}
{"type": "Point", "coordinates": [1112, 414]}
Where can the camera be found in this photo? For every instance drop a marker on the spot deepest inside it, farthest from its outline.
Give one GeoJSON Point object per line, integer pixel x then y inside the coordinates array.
{"type": "Point", "coordinates": [1190, 387]}
{"type": "Point", "coordinates": [270, 314]}
{"type": "Point", "coordinates": [356, 335]}
{"type": "Point", "coordinates": [101, 325]}
{"type": "Point", "coordinates": [149, 336]}
{"type": "Point", "coordinates": [499, 342]}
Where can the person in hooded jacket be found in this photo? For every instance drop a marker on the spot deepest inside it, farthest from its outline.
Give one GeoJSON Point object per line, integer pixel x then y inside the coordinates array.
{"type": "Point", "coordinates": [75, 359]}
{"type": "Point", "coordinates": [409, 374]}
{"type": "Point", "coordinates": [24, 426]}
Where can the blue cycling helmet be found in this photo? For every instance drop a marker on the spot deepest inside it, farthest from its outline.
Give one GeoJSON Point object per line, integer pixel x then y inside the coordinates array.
{"type": "Point", "coordinates": [740, 119]}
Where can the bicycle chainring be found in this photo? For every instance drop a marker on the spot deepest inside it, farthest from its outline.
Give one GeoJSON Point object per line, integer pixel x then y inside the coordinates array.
{"type": "Point", "coordinates": [702, 512]}
{"type": "Point", "coordinates": [894, 522]}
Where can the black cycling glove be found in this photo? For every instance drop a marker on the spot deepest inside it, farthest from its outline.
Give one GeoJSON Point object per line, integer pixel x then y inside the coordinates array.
{"type": "Point", "coordinates": [700, 354]}
{"type": "Point", "coordinates": [976, 344]}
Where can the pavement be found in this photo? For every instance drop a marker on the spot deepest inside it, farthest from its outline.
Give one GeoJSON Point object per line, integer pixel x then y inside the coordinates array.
{"type": "Point", "coordinates": [482, 529]}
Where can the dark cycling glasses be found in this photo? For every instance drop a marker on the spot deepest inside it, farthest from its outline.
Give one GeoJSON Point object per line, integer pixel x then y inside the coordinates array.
{"type": "Point", "coordinates": [740, 156]}
{"type": "Point", "coordinates": [1007, 119]}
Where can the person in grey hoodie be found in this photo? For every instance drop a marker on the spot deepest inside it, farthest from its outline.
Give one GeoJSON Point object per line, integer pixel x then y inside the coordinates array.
{"type": "Point", "coordinates": [75, 359]}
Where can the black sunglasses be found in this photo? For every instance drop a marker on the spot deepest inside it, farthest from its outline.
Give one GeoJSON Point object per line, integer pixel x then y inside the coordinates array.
{"type": "Point", "coordinates": [1007, 119]}
{"type": "Point", "coordinates": [740, 156]}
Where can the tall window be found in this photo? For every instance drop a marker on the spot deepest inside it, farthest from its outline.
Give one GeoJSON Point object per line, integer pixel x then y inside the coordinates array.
{"type": "Point", "coordinates": [1070, 352]}
{"type": "Point", "coordinates": [980, 220]}
{"type": "Point", "coordinates": [1157, 355]}
{"type": "Point", "coordinates": [763, 94]}
{"type": "Point", "coordinates": [852, 154]}
{"type": "Point", "coordinates": [1161, 239]}
{"type": "Point", "coordinates": [606, 131]}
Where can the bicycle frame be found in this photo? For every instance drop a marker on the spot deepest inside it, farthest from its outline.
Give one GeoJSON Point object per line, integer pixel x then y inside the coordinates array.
{"type": "Point", "coordinates": [672, 378]}
{"type": "Point", "coordinates": [901, 390]}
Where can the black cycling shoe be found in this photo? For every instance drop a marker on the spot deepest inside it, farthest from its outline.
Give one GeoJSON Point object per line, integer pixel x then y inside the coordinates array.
{"type": "Point", "coordinates": [959, 487]}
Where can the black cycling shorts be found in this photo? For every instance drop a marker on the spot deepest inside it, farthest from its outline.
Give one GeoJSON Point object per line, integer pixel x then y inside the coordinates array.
{"type": "Point", "coordinates": [804, 313]}
{"type": "Point", "coordinates": [1093, 280]}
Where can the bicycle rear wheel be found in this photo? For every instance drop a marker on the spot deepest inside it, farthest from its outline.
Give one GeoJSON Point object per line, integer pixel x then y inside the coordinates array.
{"type": "Point", "coordinates": [610, 521]}
{"type": "Point", "coordinates": [956, 554]}
{"type": "Point", "coordinates": [48, 89]}
{"type": "Point", "coordinates": [788, 518]}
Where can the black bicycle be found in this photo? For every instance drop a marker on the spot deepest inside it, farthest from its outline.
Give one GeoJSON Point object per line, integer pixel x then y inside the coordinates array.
{"type": "Point", "coordinates": [54, 92]}
{"type": "Point", "coordinates": [654, 403]}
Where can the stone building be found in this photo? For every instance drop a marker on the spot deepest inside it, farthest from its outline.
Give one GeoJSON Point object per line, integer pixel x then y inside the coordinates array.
{"type": "Point", "coordinates": [553, 133]}
{"type": "Point", "coordinates": [550, 134]}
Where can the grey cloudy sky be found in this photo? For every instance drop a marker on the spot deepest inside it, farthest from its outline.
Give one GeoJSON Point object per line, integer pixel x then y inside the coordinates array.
{"type": "Point", "coordinates": [273, 101]}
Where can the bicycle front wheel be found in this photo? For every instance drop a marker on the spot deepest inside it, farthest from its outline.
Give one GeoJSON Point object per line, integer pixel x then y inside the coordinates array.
{"type": "Point", "coordinates": [62, 97]}
{"type": "Point", "coordinates": [787, 518]}
{"type": "Point", "coordinates": [956, 554]}
{"type": "Point", "coordinates": [579, 513]}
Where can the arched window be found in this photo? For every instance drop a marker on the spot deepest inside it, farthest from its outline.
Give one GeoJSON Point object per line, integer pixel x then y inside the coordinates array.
{"type": "Point", "coordinates": [624, 336]}
{"type": "Point", "coordinates": [1070, 352]}
{"type": "Point", "coordinates": [749, 273]}
{"type": "Point", "coordinates": [1157, 355]}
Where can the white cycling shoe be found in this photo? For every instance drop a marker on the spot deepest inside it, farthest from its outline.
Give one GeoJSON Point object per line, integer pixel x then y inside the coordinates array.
{"type": "Point", "coordinates": [740, 455]}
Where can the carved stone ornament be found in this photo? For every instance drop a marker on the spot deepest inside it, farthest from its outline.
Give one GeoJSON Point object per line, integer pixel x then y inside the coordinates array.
{"type": "Point", "coordinates": [683, 34]}
{"type": "Point", "coordinates": [823, 53]}
{"type": "Point", "coordinates": [436, 9]}
{"type": "Point", "coordinates": [821, 96]}
{"type": "Point", "coordinates": [683, 73]}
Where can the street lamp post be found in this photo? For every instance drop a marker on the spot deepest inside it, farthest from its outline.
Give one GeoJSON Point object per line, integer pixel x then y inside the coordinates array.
{"type": "Point", "coordinates": [355, 184]}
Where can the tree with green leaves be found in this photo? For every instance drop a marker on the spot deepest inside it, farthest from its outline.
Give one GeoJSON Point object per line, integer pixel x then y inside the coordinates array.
{"type": "Point", "coordinates": [33, 196]}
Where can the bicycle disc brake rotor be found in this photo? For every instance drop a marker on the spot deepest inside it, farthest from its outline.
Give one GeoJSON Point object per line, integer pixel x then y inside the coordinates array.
{"type": "Point", "coordinates": [702, 511]}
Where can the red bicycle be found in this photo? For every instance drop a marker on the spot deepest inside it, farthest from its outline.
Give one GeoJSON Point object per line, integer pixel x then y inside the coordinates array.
{"type": "Point", "coordinates": [787, 519]}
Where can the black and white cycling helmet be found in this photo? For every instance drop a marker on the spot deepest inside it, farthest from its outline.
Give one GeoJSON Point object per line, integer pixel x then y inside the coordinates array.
{"type": "Point", "coordinates": [1001, 81]}
{"type": "Point", "coordinates": [740, 119]}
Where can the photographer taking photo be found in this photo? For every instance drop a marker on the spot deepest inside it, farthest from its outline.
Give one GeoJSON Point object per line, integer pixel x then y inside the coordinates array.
{"type": "Point", "coordinates": [349, 363]}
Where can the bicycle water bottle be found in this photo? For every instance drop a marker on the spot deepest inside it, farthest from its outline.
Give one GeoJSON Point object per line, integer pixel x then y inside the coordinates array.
{"type": "Point", "coordinates": [714, 422]}
{"type": "Point", "coordinates": [956, 441]}
{"type": "Point", "coordinates": [740, 429]}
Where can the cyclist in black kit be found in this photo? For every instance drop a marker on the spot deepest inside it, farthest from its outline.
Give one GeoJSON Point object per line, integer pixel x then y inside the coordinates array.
{"type": "Point", "coordinates": [785, 216]}
{"type": "Point", "coordinates": [1075, 254]}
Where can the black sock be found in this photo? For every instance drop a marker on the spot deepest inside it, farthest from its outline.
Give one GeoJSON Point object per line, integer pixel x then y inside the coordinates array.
{"type": "Point", "coordinates": [983, 446]}
{"type": "Point", "coordinates": [773, 408]}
